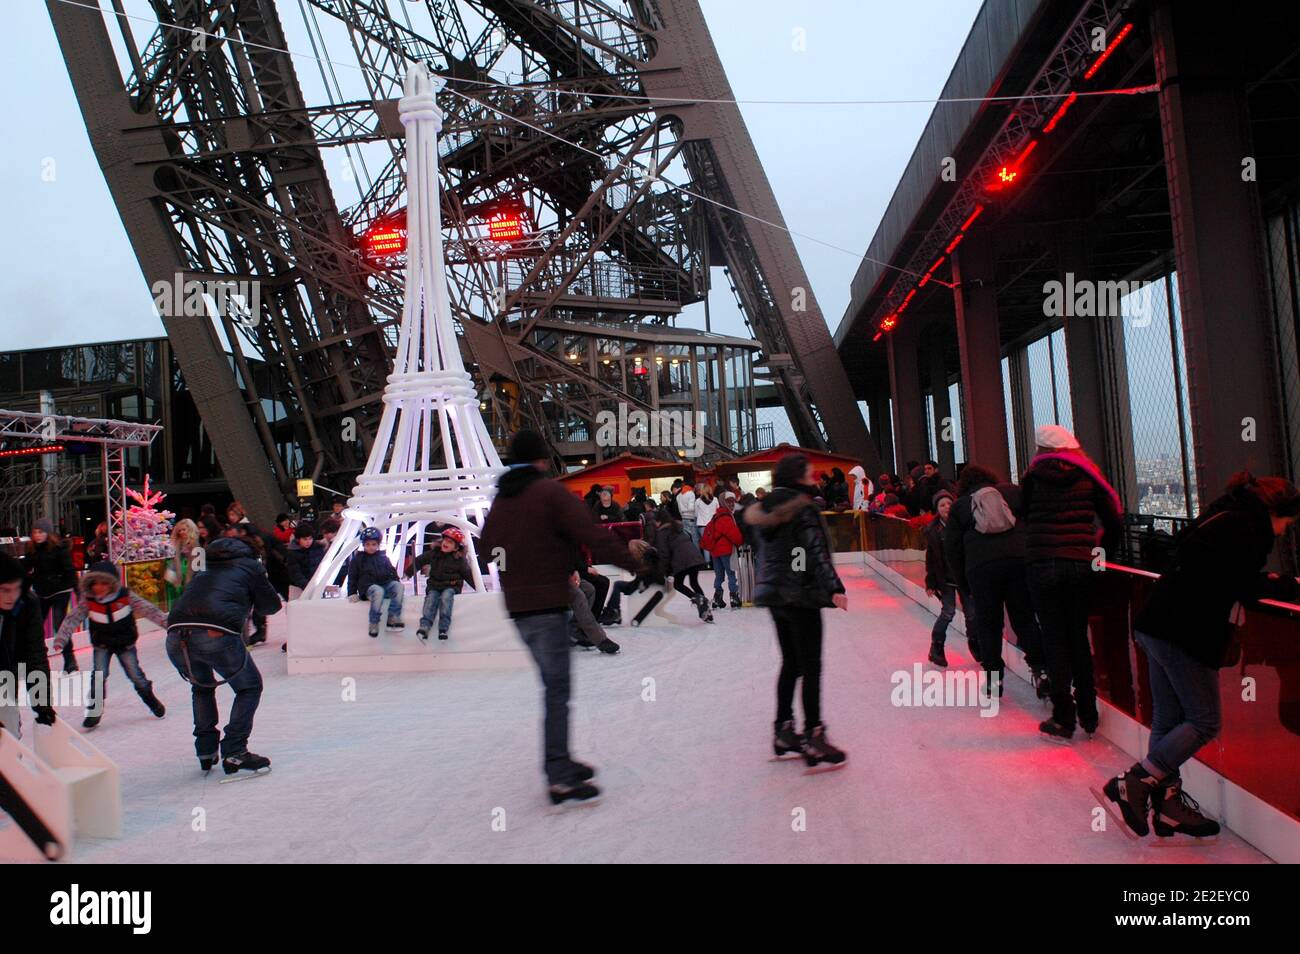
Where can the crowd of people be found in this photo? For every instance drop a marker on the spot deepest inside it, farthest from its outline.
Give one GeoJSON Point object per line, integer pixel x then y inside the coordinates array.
{"type": "Point", "coordinates": [1023, 551]}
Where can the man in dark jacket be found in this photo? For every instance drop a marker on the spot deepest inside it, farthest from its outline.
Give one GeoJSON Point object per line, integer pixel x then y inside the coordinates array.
{"type": "Point", "coordinates": [304, 556]}
{"type": "Point", "coordinates": [606, 510]}
{"type": "Point", "coordinates": [205, 640]}
{"type": "Point", "coordinates": [22, 648]}
{"type": "Point", "coordinates": [984, 544]}
{"type": "Point", "coordinates": [531, 533]}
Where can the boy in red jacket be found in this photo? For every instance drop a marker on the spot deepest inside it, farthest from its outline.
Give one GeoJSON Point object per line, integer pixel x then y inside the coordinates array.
{"type": "Point", "coordinates": [720, 538]}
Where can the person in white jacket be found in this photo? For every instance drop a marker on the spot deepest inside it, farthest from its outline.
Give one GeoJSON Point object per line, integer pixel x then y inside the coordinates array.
{"type": "Point", "coordinates": [686, 507]}
{"type": "Point", "coordinates": [706, 505]}
{"type": "Point", "coordinates": [862, 487]}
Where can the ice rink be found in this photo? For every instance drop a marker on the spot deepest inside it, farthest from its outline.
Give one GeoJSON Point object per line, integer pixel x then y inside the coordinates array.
{"type": "Point", "coordinates": [440, 767]}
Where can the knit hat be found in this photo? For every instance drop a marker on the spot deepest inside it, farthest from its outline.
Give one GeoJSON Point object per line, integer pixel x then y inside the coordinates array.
{"type": "Point", "coordinates": [729, 496]}
{"type": "Point", "coordinates": [1055, 437]}
{"type": "Point", "coordinates": [528, 446]}
{"type": "Point", "coordinates": [45, 525]}
{"type": "Point", "coordinates": [940, 496]}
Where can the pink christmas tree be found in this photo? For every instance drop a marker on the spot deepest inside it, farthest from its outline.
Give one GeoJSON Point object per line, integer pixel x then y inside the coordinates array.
{"type": "Point", "coordinates": [147, 530]}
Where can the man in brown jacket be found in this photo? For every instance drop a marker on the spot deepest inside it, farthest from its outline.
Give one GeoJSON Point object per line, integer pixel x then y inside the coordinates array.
{"type": "Point", "coordinates": [534, 533]}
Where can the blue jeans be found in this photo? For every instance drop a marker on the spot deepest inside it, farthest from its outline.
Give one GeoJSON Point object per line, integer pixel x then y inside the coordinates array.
{"type": "Point", "coordinates": [620, 589]}
{"type": "Point", "coordinates": [376, 593]}
{"type": "Point", "coordinates": [1186, 711]}
{"type": "Point", "coordinates": [437, 607]}
{"type": "Point", "coordinates": [547, 637]}
{"type": "Point", "coordinates": [223, 656]}
{"type": "Point", "coordinates": [721, 565]}
{"type": "Point", "coordinates": [692, 531]}
{"type": "Point", "coordinates": [130, 661]}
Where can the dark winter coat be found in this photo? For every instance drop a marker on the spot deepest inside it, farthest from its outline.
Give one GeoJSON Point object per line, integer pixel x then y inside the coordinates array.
{"type": "Point", "coordinates": [785, 519]}
{"type": "Point", "coordinates": [966, 549]}
{"type": "Point", "coordinates": [111, 620]}
{"type": "Point", "coordinates": [49, 568]}
{"type": "Point", "coordinates": [302, 563]}
{"type": "Point", "coordinates": [369, 569]}
{"type": "Point", "coordinates": [232, 585]}
{"type": "Point", "coordinates": [676, 551]}
{"type": "Point", "coordinates": [447, 571]}
{"type": "Point", "coordinates": [538, 525]}
{"type": "Point", "coordinates": [1069, 508]}
{"type": "Point", "coordinates": [22, 641]}
{"type": "Point", "coordinates": [611, 514]}
{"type": "Point", "coordinates": [1217, 563]}
{"type": "Point", "coordinates": [937, 572]}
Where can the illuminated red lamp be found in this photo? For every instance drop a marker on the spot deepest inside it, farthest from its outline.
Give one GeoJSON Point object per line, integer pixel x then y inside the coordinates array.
{"type": "Point", "coordinates": [888, 323]}
{"type": "Point", "coordinates": [1106, 53]}
{"type": "Point", "coordinates": [506, 225]}
{"type": "Point", "coordinates": [1060, 111]}
{"type": "Point", "coordinates": [384, 239]}
{"type": "Point", "coordinates": [31, 451]}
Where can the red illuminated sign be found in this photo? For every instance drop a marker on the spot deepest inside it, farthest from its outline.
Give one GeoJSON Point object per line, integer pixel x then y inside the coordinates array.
{"type": "Point", "coordinates": [384, 240]}
{"type": "Point", "coordinates": [506, 225]}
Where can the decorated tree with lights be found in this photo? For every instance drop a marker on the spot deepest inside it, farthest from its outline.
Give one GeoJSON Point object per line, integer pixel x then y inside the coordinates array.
{"type": "Point", "coordinates": [146, 529]}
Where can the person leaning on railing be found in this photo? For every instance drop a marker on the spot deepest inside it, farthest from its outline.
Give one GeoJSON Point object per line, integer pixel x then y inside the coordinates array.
{"type": "Point", "coordinates": [1186, 628]}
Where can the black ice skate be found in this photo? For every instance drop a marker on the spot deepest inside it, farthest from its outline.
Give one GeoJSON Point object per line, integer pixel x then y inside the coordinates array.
{"type": "Point", "coordinates": [577, 792]}
{"type": "Point", "coordinates": [608, 646]}
{"type": "Point", "coordinates": [819, 754]}
{"type": "Point", "coordinates": [735, 601]}
{"type": "Point", "coordinates": [155, 705]}
{"type": "Point", "coordinates": [90, 722]}
{"type": "Point", "coordinates": [786, 741]}
{"type": "Point", "coordinates": [395, 623]}
{"type": "Point", "coordinates": [609, 616]}
{"type": "Point", "coordinates": [206, 762]}
{"type": "Point", "coordinates": [245, 765]}
{"type": "Point", "coordinates": [1130, 795]}
{"type": "Point", "coordinates": [1054, 731]}
{"type": "Point", "coordinates": [1088, 723]}
{"type": "Point", "coordinates": [584, 771]}
{"type": "Point", "coordinates": [259, 636]}
{"type": "Point", "coordinates": [1176, 813]}
{"type": "Point", "coordinates": [423, 634]}
{"type": "Point", "coordinates": [442, 634]}
{"type": "Point", "coordinates": [705, 611]}
{"type": "Point", "coordinates": [374, 630]}
{"type": "Point", "coordinates": [1042, 685]}
{"type": "Point", "coordinates": [936, 653]}
{"type": "Point", "coordinates": [718, 602]}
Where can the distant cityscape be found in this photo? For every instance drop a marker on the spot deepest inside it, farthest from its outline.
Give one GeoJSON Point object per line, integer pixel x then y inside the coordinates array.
{"type": "Point", "coordinates": [1160, 486]}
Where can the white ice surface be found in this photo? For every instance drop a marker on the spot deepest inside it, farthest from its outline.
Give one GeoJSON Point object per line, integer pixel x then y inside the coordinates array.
{"type": "Point", "coordinates": [421, 765]}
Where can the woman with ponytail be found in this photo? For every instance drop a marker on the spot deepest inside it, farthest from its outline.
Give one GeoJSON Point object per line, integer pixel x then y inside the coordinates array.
{"type": "Point", "coordinates": [1186, 630]}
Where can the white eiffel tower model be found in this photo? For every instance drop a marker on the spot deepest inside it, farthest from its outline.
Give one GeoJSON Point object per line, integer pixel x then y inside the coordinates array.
{"type": "Point", "coordinates": [429, 392]}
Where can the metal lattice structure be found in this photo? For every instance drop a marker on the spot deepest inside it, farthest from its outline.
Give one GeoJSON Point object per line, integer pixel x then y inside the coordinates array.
{"type": "Point", "coordinates": [221, 170]}
{"type": "Point", "coordinates": [113, 438]}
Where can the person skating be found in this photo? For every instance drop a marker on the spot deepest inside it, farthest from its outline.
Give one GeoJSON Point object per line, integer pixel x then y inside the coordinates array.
{"type": "Point", "coordinates": [110, 611]}
{"type": "Point", "coordinates": [1069, 509]}
{"type": "Point", "coordinates": [984, 544]}
{"type": "Point", "coordinates": [22, 647]}
{"type": "Point", "coordinates": [205, 641]}
{"type": "Point", "coordinates": [538, 526]}
{"type": "Point", "coordinates": [795, 579]}
{"type": "Point", "coordinates": [371, 575]}
{"type": "Point", "coordinates": [47, 559]}
{"type": "Point", "coordinates": [648, 576]}
{"type": "Point", "coordinates": [720, 538]}
{"type": "Point", "coordinates": [448, 572]}
{"type": "Point", "coordinates": [680, 558]}
{"type": "Point", "coordinates": [942, 584]}
{"type": "Point", "coordinates": [1185, 628]}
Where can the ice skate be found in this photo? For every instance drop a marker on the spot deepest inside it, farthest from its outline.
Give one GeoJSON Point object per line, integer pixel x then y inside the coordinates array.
{"type": "Point", "coordinates": [245, 765]}
{"type": "Point", "coordinates": [819, 754]}
{"type": "Point", "coordinates": [442, 634]}
{"type": "Point", "coordinates": [609, 616]}
{"type": "Point", "coordinates": [786, 742]}
{"type": "Point", "coordinates": [423, 633]}
{"type": "Point", "coordinates": [153, 702]}
{"type": "Point", "coordinates": [394, 623]}
{"type": "Point", "coordinates": [90, 722]}
{"type": "Point", "coordinates": [585, 772]}
{"type": "Point", "coordinates": [206, 762]}
{"type": "Point", "coordinates": [374, 630]}
{"type": "Point", "coordinates": [718, 602]}
{"type": "Point", "coordinates": [1054, 731]}
{"type": "Point", "coordinates": [735, 602]}
{"type": "Point", "coordinates": [1127, 798]}
{"type": "Point", "coordinates": [258, 636]}
{"type": "Point", "coordinates": [702, 606]}
{"type": "Point", "coordinates": [937, 656]}
{"type": "Point", "coordinates": [608, 646]}
{"type": "Point", "coordinates": [1042, 685]}
{"type": "Point", "coordinates": [581, 791]}
{"type": "Point", "coordinates": [1178, 819]}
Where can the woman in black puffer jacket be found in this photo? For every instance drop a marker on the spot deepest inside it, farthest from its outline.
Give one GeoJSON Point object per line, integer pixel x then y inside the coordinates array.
{"type": "Point", "coordinates": [48, 562]}
{"type": "Point", "coordinates": [682, 560]}
{"type": "Point", "coordinates": [795, 578]}
{"type": "Point", "coordinates": [1185, 630]}
{"type": "Point", "coordinates": [1070, 509]}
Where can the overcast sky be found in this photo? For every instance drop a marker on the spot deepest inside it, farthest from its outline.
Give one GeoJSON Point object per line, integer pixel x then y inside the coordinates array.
{"type": "Point", "coordinates": [70, 275]}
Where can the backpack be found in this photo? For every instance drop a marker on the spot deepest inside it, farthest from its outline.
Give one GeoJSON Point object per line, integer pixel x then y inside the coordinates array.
{"type": "Point", "coordinates": [990, 511]}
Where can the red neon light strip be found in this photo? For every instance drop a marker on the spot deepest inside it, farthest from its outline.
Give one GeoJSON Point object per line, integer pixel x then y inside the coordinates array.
{"type": "Point", "coordinates": [940, 260]}
{"type": "Point", "coordinates": [964, 226]}
{"type": "Point", "coordinates": [878, 335]}
{"type": "Point", "coordinates": [955, 242]}
{"type": "Point", "coordinates": [1033, 144]}
{"type": "Point", "coordinates": [909, 296]}
{"type": "Point", "coordinates": [31, 451]}
{"type": "Point", "coordinates": [1060, 111]}
{"type": "Point", "coordinates": [1105, 54]}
